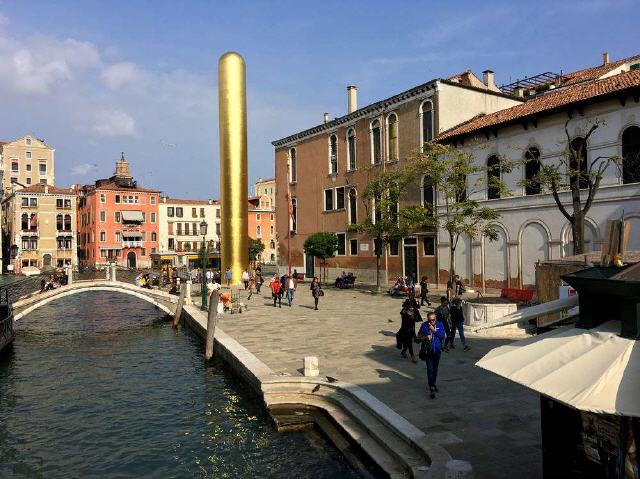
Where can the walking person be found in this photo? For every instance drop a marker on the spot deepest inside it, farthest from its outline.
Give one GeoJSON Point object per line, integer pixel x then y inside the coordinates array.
{"type": "Point", "coordinates": [411, 286]}
{"type": "Point", "coordinates": [209, 276]}
{"type": "Point", "coordinates": [291, 289]}
{"type": "Point", "coordinates": [245, 279]}
{"type": "Point", "coordinates": [424, 291]}
{"type": "Point", "coordinates": [443, 314]}
{"type": "Point", "coordinates": [432, 334]}
{"type": "Point", "coordinates": [276, 291]}
{"type": "Point", "coordinates": [407, 331]}
{"type": "Point", "coordinates": [457, 322]}
{"type": "Point", "coordinates": [458, 287]}
{"type": "Point", "coordinates": [316, 291]}
{"type": "Point", "coordinates": [227, 277]}
{"type": "Point", "coordinates": [259, 281]}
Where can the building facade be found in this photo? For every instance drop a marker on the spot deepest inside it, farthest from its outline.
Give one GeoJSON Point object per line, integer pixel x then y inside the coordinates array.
{"type": "Point", "coordinates": [266, 187]}
{"type": "Point", "coordinates": [27, 161]}
{"type": "Point", "coordinates": [531, 228]}
{"type": "Point", "coordinates": [41, 221]}
{"type": "Point", "coordinates": [262, 226]}
{"type": "Point", "coordinates": [323, 170]}
{"type": "Point", "coordinates": [181, 237]}
{"type": "Point", "coordinates": [117, 221]}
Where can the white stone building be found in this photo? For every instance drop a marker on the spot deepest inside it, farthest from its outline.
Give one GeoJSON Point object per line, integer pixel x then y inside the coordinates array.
{"type": "Point", "coordinates": [531, 226]}
{"type": "Point", "coordinates": [180, 235]}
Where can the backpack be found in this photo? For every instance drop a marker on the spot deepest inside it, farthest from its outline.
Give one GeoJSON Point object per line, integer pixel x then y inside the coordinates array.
{"type": "Point", "coordinates": [276, 287]}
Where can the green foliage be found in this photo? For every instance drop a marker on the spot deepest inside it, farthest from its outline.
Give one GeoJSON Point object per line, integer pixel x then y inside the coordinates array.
{"type": "Point", "coordinates": [187, 246]}
{"type": "Point", "coordinates": [458, 180]}
{"type": "Point", "coordinates": [256, 247]}
{"type": "Point", "coordinates": [321, 245]}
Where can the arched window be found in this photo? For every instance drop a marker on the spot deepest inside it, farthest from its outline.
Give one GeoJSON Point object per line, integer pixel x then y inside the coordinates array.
{"type": "Point", "coordinates": [531, 171]}
{"type": "Point", "coordinates": [351, 149]}
{"type": "Point", "coordinates": [272, 244]}
{"type": "Point", "coordinates": [25, 222]}
{"type": "Point", "coordinates": [293, 166]}
{"type": "Point", "coordinates": [376, 142]}
{"type": "Point", "coordinates": [293, 222]}
{"type": "Point", "coordinates": [578, 155]}
{"type": "Point", "coordinates": [258, 231]}
{"type": "Point", "coordinates": [493, 177]}
{"type": "Point", "coordinates": [427, 194]}
{"type": "Point", "coordinates": [353, 206]}
{"type": "Point", "coordinates": [426, 120]}
{"type": "Point", "coordinates": [333, 154]}
{"type": "Point", "coordinates": [33, 222]}
{"type": "Point", "coordinates": [631, 155]}
{"type": "Point", "coordinates": [271, 230]}
{"type": "Point", "coordinates": [392, 137]}
{"type": "Point", "coordinates": [67, 222]}
{"type": "Point", "coordinates": [59, 223]}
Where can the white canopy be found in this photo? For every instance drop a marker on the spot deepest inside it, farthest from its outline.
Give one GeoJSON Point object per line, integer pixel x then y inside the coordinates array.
{"type": "Point", "coordinates": [132, 216]}
{"type": "Point", "coordinates": [589, 369]}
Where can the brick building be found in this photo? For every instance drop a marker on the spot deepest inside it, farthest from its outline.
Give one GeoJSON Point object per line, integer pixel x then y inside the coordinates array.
{"type": "Point", "coordinates": [332, 162]}
{"type": "Point", "coordinates": [117, 221]}
{"type": "Point", "coordinates": [262, 226]}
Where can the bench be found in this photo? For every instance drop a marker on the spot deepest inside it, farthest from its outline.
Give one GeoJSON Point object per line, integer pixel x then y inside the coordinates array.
{"type": "Point", "coordinates": [346, 282]}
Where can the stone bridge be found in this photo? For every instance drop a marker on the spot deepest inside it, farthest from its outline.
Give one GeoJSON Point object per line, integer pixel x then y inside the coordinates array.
{"type": "Point", "coordinates": [161, 299]}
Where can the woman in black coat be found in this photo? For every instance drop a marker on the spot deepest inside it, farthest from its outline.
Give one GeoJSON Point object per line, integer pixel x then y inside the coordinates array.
{"type": "Point", "coordinates": [407, 331]}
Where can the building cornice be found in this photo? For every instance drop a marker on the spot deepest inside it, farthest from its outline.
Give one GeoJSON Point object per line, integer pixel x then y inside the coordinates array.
{"type": "Point", "coordinates": [380, 107]}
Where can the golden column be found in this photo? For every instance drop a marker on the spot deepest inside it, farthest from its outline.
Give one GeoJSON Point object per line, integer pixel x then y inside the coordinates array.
{"type": "Point", "coordinates": [232, 111]}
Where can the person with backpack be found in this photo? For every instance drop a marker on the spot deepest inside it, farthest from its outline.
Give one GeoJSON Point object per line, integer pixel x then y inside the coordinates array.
{"type": "Point", "coordinates": [457, 322]}
{"type": "Point", "coordinates": [431, 334]}
{"type": "Point", "coordinates": [444, 316]}
{"type": "Point", "coordinates": [276, 291]}
{"type": "Point", "coordinates": [407, 331]}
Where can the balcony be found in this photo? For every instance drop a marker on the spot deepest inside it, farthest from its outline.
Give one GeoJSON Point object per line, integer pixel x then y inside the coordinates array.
{"type": "Point", "coordinates": [132, 244]}
{"type": "Point", "coordinates": [64, 232]}
{"type": "Point", "coordinates": [30, 232]}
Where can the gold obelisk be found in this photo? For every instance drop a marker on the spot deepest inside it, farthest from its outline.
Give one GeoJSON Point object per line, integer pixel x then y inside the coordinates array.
{"type": "Point", "coordinates": [232, 112]}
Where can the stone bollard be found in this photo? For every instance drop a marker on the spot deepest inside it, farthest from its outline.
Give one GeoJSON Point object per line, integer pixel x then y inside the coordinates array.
{"type": "Point", "coordinates": [311, 368]}
{"type": "Point", "coordinates": [69, 271]}
{"type": "Point", "coordinates": [113, 272]}
{"type": "Point", "coordinates": [187, 295]}
{"type": "Point", "coordinates": [458, 469]}
{"type": "Point", "coordinates": [108, 273]}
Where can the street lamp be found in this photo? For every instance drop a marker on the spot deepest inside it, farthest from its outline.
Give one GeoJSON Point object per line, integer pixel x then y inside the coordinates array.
{"type": "Point", "coordinates": [203, 280]}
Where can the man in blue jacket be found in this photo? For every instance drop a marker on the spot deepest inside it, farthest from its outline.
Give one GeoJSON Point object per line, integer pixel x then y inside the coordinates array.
{"type": "Point", "coordinates": [432, 330]}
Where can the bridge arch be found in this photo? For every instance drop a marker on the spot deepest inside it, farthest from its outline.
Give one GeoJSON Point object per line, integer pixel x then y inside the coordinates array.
{"type": "Point", "coordinates": [32, 302]}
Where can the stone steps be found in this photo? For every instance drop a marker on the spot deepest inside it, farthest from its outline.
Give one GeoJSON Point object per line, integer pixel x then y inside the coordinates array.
{"type": "Point", "coordinates": [388, 448]}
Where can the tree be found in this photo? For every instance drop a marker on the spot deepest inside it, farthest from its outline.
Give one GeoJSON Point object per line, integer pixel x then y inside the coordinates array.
{"type": "Point", "coordinates": [321, 245]}
{"type": "Point", "coordinates": [187, 246]}
{"type": "Point", "coordinates": [382, 223]}
{"type": "Point", "coordinates": [457, 181]}
{"type": "Point", "coordinates": [256, 247]}
{"type": "Point", "coordinates": [576, 173]}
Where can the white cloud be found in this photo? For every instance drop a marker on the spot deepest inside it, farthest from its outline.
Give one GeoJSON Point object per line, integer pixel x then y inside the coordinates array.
{"type": "Point", "coordinates": [124, 74]}
{"type": "Point", "coordinates": [83, 169]}
{"type": "Point", "coordinates": [113, 123]}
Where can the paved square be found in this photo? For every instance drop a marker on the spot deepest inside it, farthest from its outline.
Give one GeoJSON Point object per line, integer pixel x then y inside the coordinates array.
{"type": "Point", "coordinates": [477, 416]}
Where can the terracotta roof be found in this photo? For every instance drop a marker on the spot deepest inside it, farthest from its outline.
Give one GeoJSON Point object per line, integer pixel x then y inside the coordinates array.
{"type": "Point", "coordinates": [111, 185]}
{"type": "Point", "coordinates": [546, 104]}
{"type": "Point", "coordinates": [175, 201]}
{"type": "Point", "coordinates": [593, 73]}
{"type": "Point", "coordinates": [52, 190]}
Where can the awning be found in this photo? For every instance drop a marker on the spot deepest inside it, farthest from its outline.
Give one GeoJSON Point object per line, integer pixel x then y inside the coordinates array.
{"type": "Point", "coordinates": [589, 369]}
{"type": "Point", "coordinates": [131, 234]}
{"type": "Point", "coordinates": [132, 216]}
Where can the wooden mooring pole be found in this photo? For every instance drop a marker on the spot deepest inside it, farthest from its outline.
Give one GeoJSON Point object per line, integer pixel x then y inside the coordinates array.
{"type": "Point", "coordinates": [176, 317]}
{"type": "Point", "coordinates": [212, 318]}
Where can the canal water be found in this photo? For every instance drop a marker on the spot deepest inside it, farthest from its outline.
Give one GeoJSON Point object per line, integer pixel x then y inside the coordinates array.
{"type": "Point", "coordinates": [99, 385]}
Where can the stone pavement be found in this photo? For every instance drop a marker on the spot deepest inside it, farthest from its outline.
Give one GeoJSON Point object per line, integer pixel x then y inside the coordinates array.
{"type": "Point", "coordinates": [478, 416]}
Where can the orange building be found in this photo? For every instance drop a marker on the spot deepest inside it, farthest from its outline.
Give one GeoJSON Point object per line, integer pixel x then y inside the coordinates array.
{"type": "Point", "coordinates": [117, 221]}
{"type": "Point", "coordinates": [262, 226]}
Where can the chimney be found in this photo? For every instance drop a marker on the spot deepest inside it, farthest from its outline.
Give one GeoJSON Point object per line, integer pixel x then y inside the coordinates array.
{"type": "Point", "coordinates": [519, 91]}
{"type": "Point", "coordinates": [605, 58]}
{"type": "Point", "coordinates": [326, 117]}
{"type": "Point", "coordinates": [487, 79]}
{"type": "Point", "coordinates": [352, 98]}
{"type": "Point", "coordinates": [46, 189]}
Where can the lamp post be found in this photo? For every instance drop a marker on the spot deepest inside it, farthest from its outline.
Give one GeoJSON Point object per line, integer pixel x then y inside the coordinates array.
{"type": "Point", "coordinates": [203, 279]}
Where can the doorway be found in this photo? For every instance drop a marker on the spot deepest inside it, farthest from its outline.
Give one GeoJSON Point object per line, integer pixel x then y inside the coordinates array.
{"type": "Point", "coordinates": [131, 260]}
{"type": "Point", "coordinates": [410, 251]}
{"type": "Point", "coordinates": [308, 266]}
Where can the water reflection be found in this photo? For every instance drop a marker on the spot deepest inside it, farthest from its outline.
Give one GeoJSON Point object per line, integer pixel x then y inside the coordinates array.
{"type": "Point", "coordinates": [100, 385]}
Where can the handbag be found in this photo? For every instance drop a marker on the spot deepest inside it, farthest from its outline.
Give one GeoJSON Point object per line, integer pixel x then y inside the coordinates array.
{"type": "Point", "coordinates": [426, 348]}
{"type": "Point", "coordinates": [321, 292]}
{"type": "Point", "coordinates": [399, 339]}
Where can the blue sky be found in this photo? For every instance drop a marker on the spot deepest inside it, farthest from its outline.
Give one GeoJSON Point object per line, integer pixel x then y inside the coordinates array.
{"type": "Point", "coordinates": [95, 78]}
